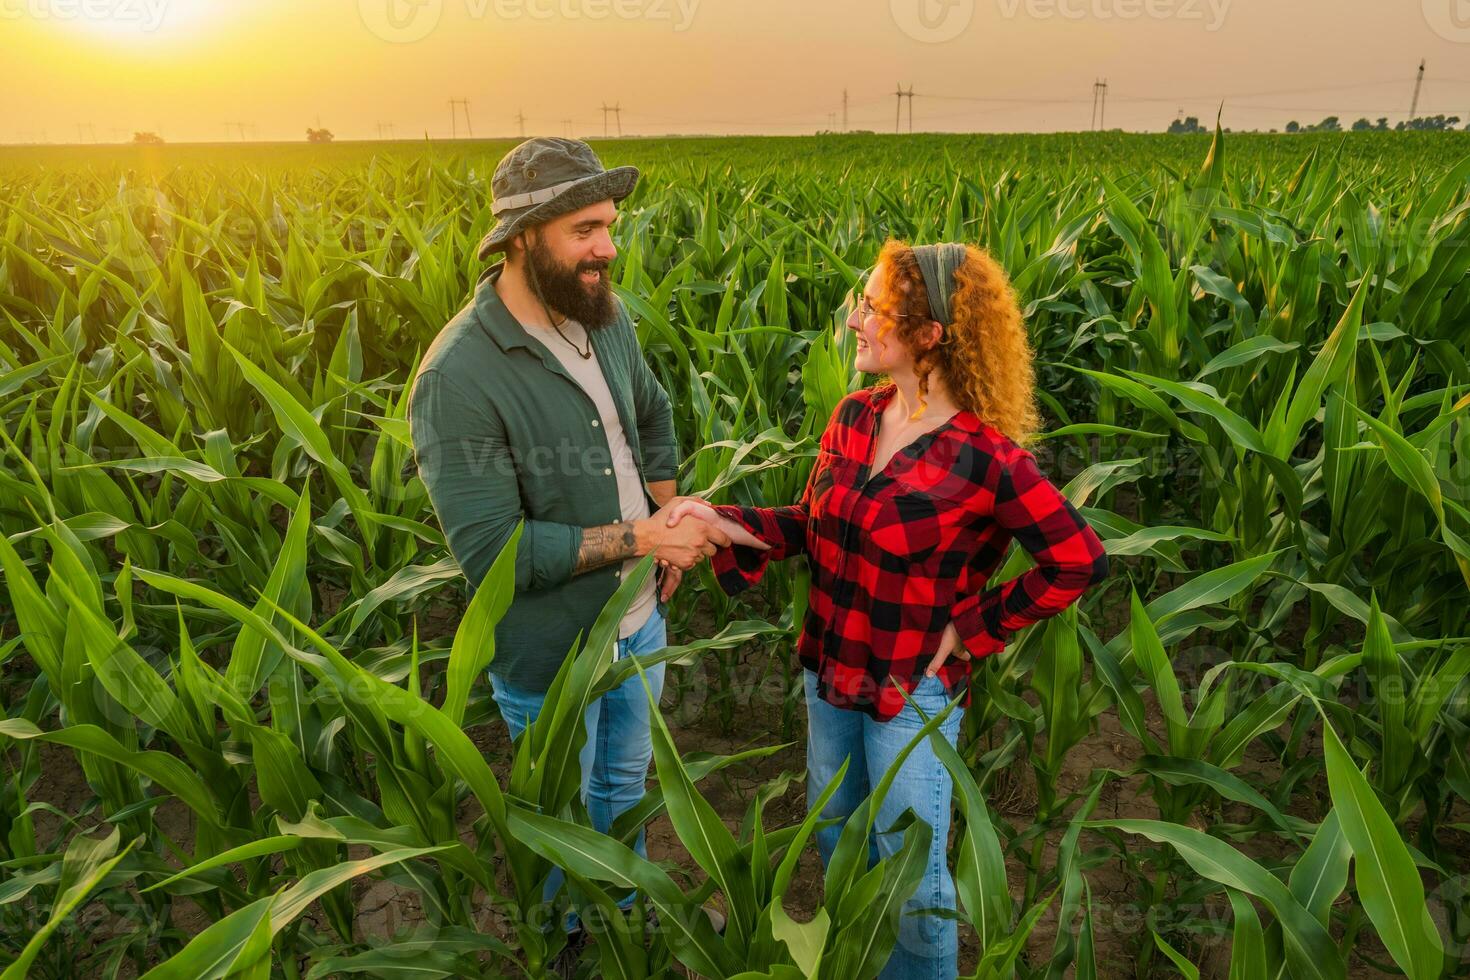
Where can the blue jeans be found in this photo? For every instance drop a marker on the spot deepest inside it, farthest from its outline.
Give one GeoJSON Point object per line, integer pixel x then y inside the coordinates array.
{"type": "Point", "coordinates": [619, 745]}
{"type": "Point", "coordinates": [928, 946]}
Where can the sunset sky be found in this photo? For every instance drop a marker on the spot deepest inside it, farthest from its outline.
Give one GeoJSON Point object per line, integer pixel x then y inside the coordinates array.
{"type": "Point", "coordinates": [191, 69]}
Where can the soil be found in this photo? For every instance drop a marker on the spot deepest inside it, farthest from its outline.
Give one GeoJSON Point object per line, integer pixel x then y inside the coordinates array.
{"type": "Point", "coordinates": [1119, 910]}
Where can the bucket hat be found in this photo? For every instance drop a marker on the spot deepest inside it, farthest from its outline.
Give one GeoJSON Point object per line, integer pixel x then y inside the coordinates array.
{"type": "Point", "coordinates": [545, 178]}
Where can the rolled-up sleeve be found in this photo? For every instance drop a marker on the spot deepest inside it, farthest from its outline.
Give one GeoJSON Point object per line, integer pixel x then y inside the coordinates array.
{"type": "Point", "coordinates": [460, 449]}
{"type": "Point", "coordinates": [738, 567]}
{"type": "Point", "coordinates": [1069, 560]}
{"type": "Point", "coordinates": [656, 437]}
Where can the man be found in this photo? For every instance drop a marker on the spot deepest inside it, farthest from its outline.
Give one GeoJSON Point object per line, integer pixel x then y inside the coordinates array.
{"type": "Point", "coordinates": [535, 403]}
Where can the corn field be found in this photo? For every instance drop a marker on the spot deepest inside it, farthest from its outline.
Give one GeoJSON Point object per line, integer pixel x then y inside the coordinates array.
{"type": "Point", "coordinates": [243, 693]}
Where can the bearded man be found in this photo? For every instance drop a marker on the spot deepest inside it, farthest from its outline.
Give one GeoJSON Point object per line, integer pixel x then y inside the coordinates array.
{"type": "Point", "coordinates": [534, 404]}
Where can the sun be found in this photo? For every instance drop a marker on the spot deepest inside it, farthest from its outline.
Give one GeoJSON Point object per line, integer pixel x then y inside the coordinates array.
{"type": "Point", "coordinates": [140, 21]}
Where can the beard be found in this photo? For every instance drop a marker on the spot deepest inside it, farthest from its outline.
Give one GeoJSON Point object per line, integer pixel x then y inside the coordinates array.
{"type": "Point", "coordinates": [564, 291]}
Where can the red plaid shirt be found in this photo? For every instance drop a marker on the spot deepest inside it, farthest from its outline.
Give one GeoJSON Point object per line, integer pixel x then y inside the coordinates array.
{"type": "Point", "coordinates": [898, 557]}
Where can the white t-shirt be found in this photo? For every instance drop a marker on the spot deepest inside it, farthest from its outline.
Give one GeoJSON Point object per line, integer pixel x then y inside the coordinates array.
{"type": "Point", "coordinates": [634, 505]}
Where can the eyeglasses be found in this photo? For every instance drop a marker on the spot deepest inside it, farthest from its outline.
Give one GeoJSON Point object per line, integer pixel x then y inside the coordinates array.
{"type": "Point", "coordinates": [864, 308]}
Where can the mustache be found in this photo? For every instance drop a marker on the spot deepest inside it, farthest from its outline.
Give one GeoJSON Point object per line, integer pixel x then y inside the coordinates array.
{"type": "Point", "coordinates": [593, 265]}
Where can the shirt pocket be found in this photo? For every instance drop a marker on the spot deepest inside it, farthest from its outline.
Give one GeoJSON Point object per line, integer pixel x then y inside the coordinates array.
{"type": "Point", "coordinates": [907, 523]}
{"type": "Point", "coordinates": [828, 471]}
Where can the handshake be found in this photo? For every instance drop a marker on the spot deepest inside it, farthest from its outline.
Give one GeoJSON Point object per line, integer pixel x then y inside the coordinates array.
{"type": "Point", "coordinates": [687, 530]}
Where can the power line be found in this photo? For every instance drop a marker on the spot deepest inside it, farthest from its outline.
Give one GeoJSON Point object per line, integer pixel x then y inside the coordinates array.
{"type": "Point", "coordinates": [1099, 103]}
{"type": "Point", "coordinates": [1418, 87]}
{"type": "Point", "coordinates": [455, 105]}
{"type": "Point", "coordinates": [616, 110]}
{"type": "Point", "coordinates": [898, 107]}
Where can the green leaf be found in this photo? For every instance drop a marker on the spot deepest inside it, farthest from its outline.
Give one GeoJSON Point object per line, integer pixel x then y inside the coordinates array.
{"type": "Point", "coordinates": [86, 863]}
{"type": "Point", "coordinates": [296, 422]}
{"type": "Point", "coordinates": [1248, 942]}
{"type": "Point", "coordinates": [1310, 950]}
{"type": "Point", "coordinates": [166, 770]}
{"type": "Point", "coordinates": [474, 638]}
{"type": "Point", "coordinates": [701, 830]}
{"type": "Point", "coordinates": [1321, 873]}
{"type": "Point", "coordinates": [1407, 463]}
{"type": "Point", "coordinates": [1387, 879]}
{"type": "Point", "coordinates": [1185, 967]}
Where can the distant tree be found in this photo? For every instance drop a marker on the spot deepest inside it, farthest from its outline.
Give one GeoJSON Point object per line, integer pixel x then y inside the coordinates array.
{"type": "Point", "coordinates": [1382, 124]}
{"type": "Point", "coordinates": [319, 135]}
{"type": "Point", "coordinates": [1362, 125]}
{"type": "Point", "coordinates": [147, 139]}
{"type": "Point", "coordinates": [1329, 125]}
{"type": "Point", "coordinates": [1429, 124]}
{"type": "Point", "coordinates": [1189, 124]}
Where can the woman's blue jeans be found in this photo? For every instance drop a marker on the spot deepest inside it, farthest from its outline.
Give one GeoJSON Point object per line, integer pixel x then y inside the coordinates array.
{"type": "Point", "coordinates": [927, 945]}
{"type": "Point", "coordinates": [619, 744]}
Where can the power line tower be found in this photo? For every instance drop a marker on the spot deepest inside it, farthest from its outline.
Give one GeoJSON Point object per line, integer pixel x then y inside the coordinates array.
{"type": "Point", "coordinates": [898, 107]}
{"type": "Point", "coordinates": [1418, 87]}
{"type": "Point", "coordinates": [455, 106]}
{"type": "Point", "coordinates": [521, 122]}
{"type": "Point", "coordinates": [1100, 103]}
{"type": "Point", "coordinates": [566, 126]}
{"type": "Point", "coordinates": [617, 111]}
{"type": "Point", "coordinates": [844, 110]}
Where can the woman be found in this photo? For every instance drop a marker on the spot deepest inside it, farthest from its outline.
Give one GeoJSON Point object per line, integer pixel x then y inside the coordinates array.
{"type": "Point", "coordinates": [919, 487]}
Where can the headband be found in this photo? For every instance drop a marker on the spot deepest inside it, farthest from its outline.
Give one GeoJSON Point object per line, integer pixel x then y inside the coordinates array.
{"type": "Point", "coordinates": [937, 266]}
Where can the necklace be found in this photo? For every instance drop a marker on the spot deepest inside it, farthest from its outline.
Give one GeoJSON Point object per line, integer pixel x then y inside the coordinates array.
{"type": "Point", "coordinates": [536, 288]}
{"type": "Point", "coordinates": [585, 355]}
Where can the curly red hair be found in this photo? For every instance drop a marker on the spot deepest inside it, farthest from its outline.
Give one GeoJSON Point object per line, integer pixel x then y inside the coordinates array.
{"type": "Point", "coordinates": [983, 356]}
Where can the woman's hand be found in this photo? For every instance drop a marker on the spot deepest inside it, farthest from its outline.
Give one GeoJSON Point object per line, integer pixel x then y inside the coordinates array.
{"type": "Point", "coordinates": [694, 507]}
{"type": "Point", "coordinates": [949, 646]}
{"type": "Point", "coordinates": [672, 576]}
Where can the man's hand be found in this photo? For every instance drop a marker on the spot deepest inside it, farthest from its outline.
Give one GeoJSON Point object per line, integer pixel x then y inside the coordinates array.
{"type": "Point", "coordinates": [682, 546]}
{"type": "Point", "coordinates": [949, 646]}
{"type": "Point", "coordinates": [687, 507]}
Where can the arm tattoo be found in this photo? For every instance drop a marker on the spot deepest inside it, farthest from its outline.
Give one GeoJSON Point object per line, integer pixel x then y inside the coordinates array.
{"type": "Point", "coordinates": [606, 545]}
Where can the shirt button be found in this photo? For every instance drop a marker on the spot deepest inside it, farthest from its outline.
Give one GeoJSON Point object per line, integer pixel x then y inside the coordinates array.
{"type": "Point", "coordinates": [607, 472]}
{"type": "Point", "coordinates": [595, 423]}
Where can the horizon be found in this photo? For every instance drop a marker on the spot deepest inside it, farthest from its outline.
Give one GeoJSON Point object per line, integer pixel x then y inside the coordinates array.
{"type": "Point", "coordinates": [197, 71]}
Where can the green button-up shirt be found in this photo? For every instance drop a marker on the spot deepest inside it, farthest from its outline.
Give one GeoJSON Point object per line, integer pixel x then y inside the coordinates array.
{"type": "Point", "coordinates": [502, 433]}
